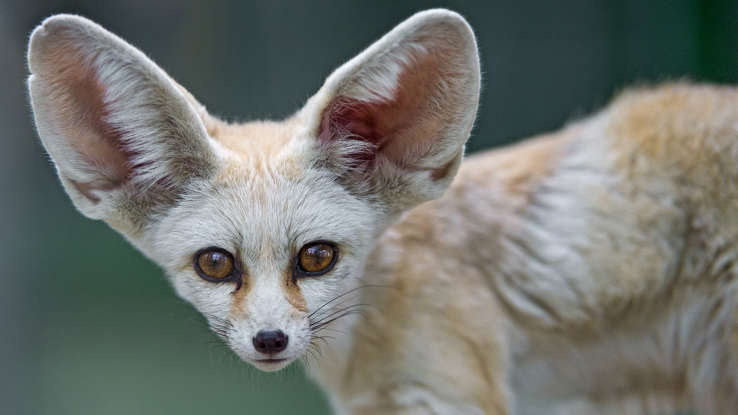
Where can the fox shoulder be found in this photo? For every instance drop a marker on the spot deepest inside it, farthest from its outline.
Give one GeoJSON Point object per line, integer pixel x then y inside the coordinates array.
{"type": "Point", "coordinates": [677, 129]}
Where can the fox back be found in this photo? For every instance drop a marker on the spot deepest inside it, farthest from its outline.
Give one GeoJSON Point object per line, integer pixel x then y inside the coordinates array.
{"type": "Point", "coordinates": [584, 271]}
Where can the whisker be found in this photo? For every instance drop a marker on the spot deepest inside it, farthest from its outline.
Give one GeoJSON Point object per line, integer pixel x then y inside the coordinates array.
{"type": "Point", "coordinates": [347, 313]}
{"type": "Point", "coordinates": [221, 327]}
{"type": "Point", "coordinates": [327, 313]}
{"type": "Point", "coordinates": [333, 313]}
{"type": "Point", "coordinates": [335, 330]}
{"type": "Point", "coordinates": [345, 294]}
{"type": "Point", "coordinates": [317, 349]}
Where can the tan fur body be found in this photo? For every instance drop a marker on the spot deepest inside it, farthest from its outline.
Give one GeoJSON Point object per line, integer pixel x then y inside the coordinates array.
{"type": "Point", "coordinates": [592, 270]}
{"type": "Point", "coordinates": [613, 293]}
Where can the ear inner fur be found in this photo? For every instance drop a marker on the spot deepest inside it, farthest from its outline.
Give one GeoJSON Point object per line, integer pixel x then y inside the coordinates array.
{"type": "Point", "coordinates": [86, 95]}
{"type": "Point", "coordinates": [402, 128]}
{"type": "Point", "coordinates": [111, 119]}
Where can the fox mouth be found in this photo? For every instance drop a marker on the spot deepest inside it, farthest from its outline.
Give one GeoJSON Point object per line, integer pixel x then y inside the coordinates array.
{"type": "Point", "coordinates": [270, 364]}
{"type": "Point", "coordinates": [271, 360]}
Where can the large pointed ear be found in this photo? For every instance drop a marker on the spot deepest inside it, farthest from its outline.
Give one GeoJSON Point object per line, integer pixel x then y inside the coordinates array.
{"type": "Point", "coordinates": [393, 121]}
{"type": "Point", "coordinates": [125, 138]}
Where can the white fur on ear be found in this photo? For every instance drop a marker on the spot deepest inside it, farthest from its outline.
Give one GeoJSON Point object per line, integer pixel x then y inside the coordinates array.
{"type": "Point", "coordinates": [398, 114]}
{"type": "Point", "coordinates": [120, 131]}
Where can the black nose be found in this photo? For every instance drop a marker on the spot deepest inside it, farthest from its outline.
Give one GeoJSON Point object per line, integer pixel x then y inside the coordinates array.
{"type": "Point", "coordinates": [270, 341]}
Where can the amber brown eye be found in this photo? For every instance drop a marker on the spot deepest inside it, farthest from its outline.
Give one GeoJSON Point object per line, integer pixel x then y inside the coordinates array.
{"type": "Point", "coordinates": [215, 264]}
{"type": "Point", "coordinates": [316, 258]}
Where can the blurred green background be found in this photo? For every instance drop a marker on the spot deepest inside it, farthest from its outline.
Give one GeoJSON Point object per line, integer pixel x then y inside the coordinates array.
{"type": "Point", "coordinates": [88, 326]}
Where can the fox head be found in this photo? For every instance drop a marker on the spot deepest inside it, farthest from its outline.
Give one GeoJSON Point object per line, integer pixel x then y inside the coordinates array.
{"type": "Point", "coordinates": [258, 225]}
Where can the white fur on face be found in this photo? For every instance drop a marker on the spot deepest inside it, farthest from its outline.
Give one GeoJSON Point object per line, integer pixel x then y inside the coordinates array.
{"type": "Point", "coordinates": [263, 220]}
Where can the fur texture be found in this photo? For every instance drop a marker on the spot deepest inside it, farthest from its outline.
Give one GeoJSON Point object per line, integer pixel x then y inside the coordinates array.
{"type": "Point", "coordinates": [587, 271]}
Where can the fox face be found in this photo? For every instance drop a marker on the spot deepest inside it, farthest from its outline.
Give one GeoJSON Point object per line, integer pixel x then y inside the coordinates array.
{"type": "Point", "coordinates": [258, 267]}
{"type": "Point", "coordinates": [260, 226]}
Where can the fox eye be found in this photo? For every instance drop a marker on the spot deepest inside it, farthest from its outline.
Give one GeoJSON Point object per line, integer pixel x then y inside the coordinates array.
{"type": "Point", "coordinates": [215, 264]}
{"type": "Point", "coordinates": [316, 258]}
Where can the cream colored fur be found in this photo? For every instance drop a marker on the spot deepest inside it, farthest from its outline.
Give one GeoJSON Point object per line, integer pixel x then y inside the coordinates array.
{"type": "Point", "coordinates": [587, 271]}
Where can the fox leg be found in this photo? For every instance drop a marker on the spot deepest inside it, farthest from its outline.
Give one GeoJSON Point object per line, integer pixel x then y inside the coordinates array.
{"type": "Point", "coordinates": [419, 400]}
{"type": "Point", "coordinates": [452, 373]}
{"type": "Point", "coordinates": [713, 372]}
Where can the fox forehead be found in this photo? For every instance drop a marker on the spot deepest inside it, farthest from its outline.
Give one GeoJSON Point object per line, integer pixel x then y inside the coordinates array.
{"type": "Point", "coordinates": [257, 206]}
{"type": "Point", "coordinates": [246, 139]}
{"type": "Point", "coordinates": [261, 148]}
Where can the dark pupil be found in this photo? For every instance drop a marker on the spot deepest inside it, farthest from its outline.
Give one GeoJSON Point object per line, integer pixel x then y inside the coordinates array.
{"type": "Point", "coordinates": [318, 254]}
{"type": "Point", "coordinates": [216, 258]}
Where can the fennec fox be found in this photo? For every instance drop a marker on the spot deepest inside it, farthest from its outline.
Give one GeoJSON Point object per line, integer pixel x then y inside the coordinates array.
{"type": "Point", "coordinates": [585, 271]}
